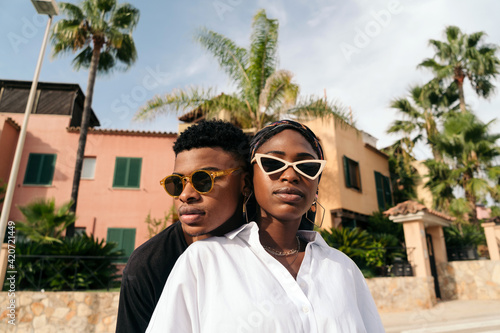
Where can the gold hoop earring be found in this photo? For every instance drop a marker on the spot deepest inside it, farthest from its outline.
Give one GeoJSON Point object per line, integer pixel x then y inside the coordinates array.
{"type": "Point", "coordinates": [313, 209]}
{"type": "Point", "coordinates": [245, 210]}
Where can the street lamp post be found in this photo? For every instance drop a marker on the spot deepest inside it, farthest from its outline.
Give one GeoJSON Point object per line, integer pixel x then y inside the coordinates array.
{"type": "Point", "coordinates": [46, 7]}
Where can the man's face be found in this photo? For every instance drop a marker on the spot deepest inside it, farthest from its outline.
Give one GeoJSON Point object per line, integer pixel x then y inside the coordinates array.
{"type": "Point", "coordinates": [201, 214]}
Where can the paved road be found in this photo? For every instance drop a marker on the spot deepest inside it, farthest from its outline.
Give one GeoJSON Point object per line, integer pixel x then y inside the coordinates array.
{"type": "Point", "coordinates": [474, 316]}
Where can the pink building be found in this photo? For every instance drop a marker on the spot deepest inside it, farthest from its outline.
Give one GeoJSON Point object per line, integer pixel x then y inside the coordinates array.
{"type": "Point", "coordinates": [120, 178]}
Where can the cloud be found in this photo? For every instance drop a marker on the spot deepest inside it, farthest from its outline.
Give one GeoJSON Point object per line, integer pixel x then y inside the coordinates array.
{"type": "Point", "coordinates": [320, 16]}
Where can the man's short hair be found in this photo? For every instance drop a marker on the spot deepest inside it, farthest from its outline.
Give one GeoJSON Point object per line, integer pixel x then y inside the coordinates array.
{"type": "Point", "coordinates": [214, 133]}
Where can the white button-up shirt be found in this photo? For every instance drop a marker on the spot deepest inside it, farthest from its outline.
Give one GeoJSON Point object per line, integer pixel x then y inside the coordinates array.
{"type": "Point", "coordinates": [231, 284]}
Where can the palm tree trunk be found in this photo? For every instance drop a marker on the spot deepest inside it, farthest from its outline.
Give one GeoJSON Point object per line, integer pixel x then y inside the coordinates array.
{"type": "Point", "coordinates": [461, 97]}
{"type": "Point", "coordinates": [459, 77]}
{"type": "Point", "coordinates": [471, 199]}
{"type": "Point", "coordinates": [437, 154]}
{"type": "Point", "coordinates": [70, 231]}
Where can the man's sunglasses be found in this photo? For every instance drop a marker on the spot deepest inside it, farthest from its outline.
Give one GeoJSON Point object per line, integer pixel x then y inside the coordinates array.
{"type": "Point", "coordinates": [308, 168]}
{"type": "Point", "coordinates": [201, 180]}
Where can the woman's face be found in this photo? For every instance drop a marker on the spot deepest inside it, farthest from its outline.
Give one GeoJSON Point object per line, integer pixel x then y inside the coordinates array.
{"type": "Point", "coordinates": [285, 195]}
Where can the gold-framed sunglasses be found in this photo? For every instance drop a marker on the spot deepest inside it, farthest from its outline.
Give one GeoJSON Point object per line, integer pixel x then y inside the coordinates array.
{"type": "Point", "coordinates": [201, 180]}
{"type": "Point", "coordinates": [308, 168]}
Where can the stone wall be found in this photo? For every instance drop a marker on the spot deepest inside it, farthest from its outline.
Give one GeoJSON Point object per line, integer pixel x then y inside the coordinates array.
{"type": "Point", "coordinates": [88, 312]}
{"type": "Point", "coordinates": [471, 279]}
{"type": "Point", "coordinates": [52, 312]}
{"type": "Point", "coordinates": [407, 293]}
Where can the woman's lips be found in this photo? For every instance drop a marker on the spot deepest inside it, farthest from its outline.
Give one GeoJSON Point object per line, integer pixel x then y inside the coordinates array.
{"type": "Point", "coordinates": [289, 194]}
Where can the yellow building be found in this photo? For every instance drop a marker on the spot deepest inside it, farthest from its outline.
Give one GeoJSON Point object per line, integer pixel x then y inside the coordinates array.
{"type": "Point", "coordinates": [356, 180]}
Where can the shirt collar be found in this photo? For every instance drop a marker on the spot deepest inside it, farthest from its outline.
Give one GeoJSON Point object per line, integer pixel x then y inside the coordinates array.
{"type": "Point", "coordinates": [250, 231]}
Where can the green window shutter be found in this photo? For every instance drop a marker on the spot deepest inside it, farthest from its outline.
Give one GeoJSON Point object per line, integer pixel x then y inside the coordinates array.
{"type": "Point", "coordinates": [380, 190]}
{"type": "Point", "coordinates": [34, 162]}
{"type": "Point", "coordinates": [346, 172]}
{"type": "Point", "coordinates": [124, 238]}
{"type": "Point", "coordinates": [121, 165]}
{"type": "Point", "coordinates": [47, 169]}
{"type": "Point", "coordinates": [40, 169]}
{"type": "Point", "coordinates": [134, 176]}
{"type": "Point", "coordinates": [127, 172]}
{"type": "Point", "coordinates": [387, 191]}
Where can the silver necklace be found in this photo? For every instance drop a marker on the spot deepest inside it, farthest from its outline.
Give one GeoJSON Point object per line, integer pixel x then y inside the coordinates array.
{"type": "Point", "coordinates": [283, 253]}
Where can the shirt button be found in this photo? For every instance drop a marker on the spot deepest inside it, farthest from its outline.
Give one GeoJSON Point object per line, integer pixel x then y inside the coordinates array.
{"type": "Point", "coordinates": [305, 309]}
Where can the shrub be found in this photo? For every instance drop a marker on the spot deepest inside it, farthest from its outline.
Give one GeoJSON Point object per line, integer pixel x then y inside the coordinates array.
{"type": "Point", "coordinates": [50, 267]}
{"type": "Point", "coordinates": [43, 222]}
{"type": "Point", "coordinates": [464, 235]}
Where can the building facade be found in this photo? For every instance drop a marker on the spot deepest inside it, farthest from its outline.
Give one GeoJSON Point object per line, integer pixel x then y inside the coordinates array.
{"type": "Point", "coordinates": [356, 180]}
{"type": "Point", "coordinates": [121, 172]}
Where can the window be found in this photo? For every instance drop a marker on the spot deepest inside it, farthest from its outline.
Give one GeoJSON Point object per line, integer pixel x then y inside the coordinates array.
{"type": "Point", "coordinates": [124, 238]}
{"type": "Point", "coordinates": [384, 195]}
{"type": "Point", "coordinates": [88, 168]}
{"type": "Point", "coordinates": [349, 223]}
{"type": "Point", "coordinates": [40, 169]}
{"type": "Point", "coordinates": [352, 176]}
{"type": "Point", "coordinates": [79, 231]}
{"type": "Point", "coordinates": [127, 172]}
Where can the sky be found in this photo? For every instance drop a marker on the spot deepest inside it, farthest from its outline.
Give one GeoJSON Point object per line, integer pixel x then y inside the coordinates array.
{"type": "Point", "coordinates": [362, 53]}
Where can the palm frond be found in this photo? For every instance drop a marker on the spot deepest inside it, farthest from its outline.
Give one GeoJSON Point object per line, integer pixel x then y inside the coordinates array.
{"type": "Point", "coordinates": [403, 126]}
{"type": "Point", "coordinates": [83, 59]}
{"type": "Point", "coordinates": [174, 102]}
{"type": "Point", "coordinates": [125, 17]}
{"type": "Point", "coordinates": [126, 53]}
{"type": "Point", "coordinates": [72, 11]}
{"type": "Point", "coordinates": [262, 60]}
{"type": "Point", "coordinates": [105, 6]}
{"type": "Point", "coordinates": [231, 58]}
{"type": "Point", "coordinates": [311, 107]}
{"type": "Point", "coordinates": [474, 39]}
{"type": "Point", "coordinates": [279, 93]}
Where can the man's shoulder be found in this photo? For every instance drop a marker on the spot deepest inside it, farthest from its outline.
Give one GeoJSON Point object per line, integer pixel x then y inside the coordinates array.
{"type": "Point", "coordinates": [169, 242]}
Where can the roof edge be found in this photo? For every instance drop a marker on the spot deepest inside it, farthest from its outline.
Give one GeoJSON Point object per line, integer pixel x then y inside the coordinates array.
{"type": "Point", "coordinates": [123, 132]}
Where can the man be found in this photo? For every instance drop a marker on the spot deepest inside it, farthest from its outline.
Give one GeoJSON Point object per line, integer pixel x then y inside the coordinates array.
{"type": "Point", "coordinates": [209, 180]}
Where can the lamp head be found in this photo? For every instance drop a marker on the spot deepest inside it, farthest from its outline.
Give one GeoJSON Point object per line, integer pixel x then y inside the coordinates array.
{"type": "Point", "coordinates": [47, 7]}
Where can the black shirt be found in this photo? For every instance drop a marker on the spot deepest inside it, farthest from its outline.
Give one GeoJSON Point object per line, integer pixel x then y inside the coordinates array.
{"type": "Point", "coordinates": [144, 277]}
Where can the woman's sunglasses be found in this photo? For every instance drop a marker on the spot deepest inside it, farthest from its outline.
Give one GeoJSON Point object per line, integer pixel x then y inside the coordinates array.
{"type": "Point", "coordinates": [308, 168]}
{"type": "Point", "coordinates": [201, 180]}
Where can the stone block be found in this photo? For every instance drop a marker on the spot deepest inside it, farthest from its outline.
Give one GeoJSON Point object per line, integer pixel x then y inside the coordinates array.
{"type": "Point", "coordinates": [93, 318]}
{"type": "Point", "coordinates": [59, 313]}
{"type": "Point", "coordinates": [70, 315]}
{"type": "Point", "coordinates": [108, 320]}
{"type": "Point", "coordinates": [24, 299]}
{"type": "Point", "coordinates": [83, 310]}
{"type": "Point", "coordinates": [79, 297]}
{"type": "Point", "coordinates": [27, 318]}
{"type": "Point", "coordinates": [72, 305]}
{"type": "Point", "coordinates": [37, 308]}
{"type": "Point", "coordinates": [39, 322]}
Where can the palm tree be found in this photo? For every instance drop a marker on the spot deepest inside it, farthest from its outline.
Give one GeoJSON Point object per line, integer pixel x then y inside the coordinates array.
{"type": "Point", "coordinates": [423, 112]}
{"type": "Point", "coordinates": [44, 223]}
{"type": "Point", "coordinates": [102, 31]}
{"type": "Point", "coordinates": [404, 176]}
{"type": "Point", "coordinates": [470, 154]}
{"type": "Point", "coordinates": [464, 56]}
{"type": "Point", "coordinates": [263, 94]}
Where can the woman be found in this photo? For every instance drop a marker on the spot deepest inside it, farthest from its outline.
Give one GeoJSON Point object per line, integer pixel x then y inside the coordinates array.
{"type": "Point", "coordinates": [267, 276]}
